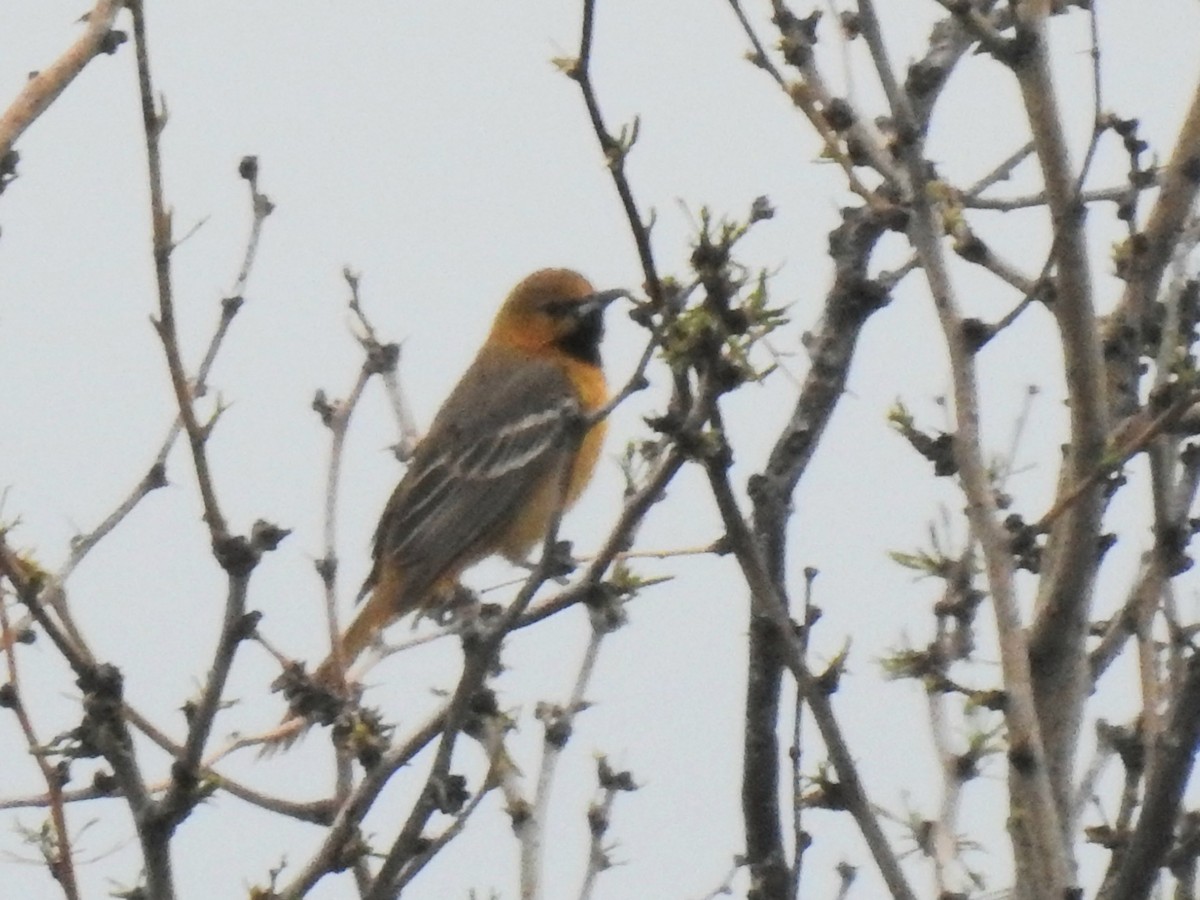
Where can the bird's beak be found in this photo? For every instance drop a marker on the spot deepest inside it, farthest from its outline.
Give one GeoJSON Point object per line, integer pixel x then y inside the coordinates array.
{"type": "Point", "coordinates": [598, 301]}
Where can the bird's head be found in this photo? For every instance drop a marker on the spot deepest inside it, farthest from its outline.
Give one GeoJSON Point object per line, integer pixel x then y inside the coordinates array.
{"type": "Point", "coordinates": [556, 308]}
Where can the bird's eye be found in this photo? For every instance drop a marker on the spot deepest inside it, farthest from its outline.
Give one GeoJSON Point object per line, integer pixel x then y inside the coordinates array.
{"type": "Point", "coordinates": [559, 308]}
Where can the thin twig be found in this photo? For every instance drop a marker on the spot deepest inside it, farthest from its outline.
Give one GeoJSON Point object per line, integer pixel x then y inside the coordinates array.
{"type": "Point", "coordinates": [1040, 198]}
{"type": "Point", "coordinates": [1130, 445]}
{"type": "Point", "coordinates": [1134, 870]}
{"type": "Point", "coordinates": [238, 556]}
{"type": "Point", "coordinates": [1156, 243]}
{"type": "Point", "coordinates": [770, 601]}
{"type": "Point", "coordinates": [318, 812]}
{"type": "Point", "coordinates": [614, 153]}
{"type": "Point", "coordinates": [435, 845]}
{"type": "Point", "coordinates": [813, 98]}
{"type": "Point", "coordinates": [1049, 872]}
{"type": "Point", "coordinates": [801, 839]}
{"type": "Point", "coordinates": [341, 833]}
{"type": "Point", "coordinates": [58, 854]}
{"type": "Point", "coordinates": [725, 888]}
{"type": "Point", "coordinates": [759, 56]}
{"type": "Point", "coordinates": [104, 723]}
{"type": "Point", "coordinates": [389, 368]}
{"type": "Point", "coordinates": [944, 838]}
{"type": "Point", "coordinates": [635, 509]}
{"type": "Point", "coordinates": [336, 415]}
{"type": "Point", "coordinates": [896, 96]}
{"type": "Point", "coordinates": [1002, 172]}
{"type": "Point", "coordinates": [1121, 626]}
{"type": "Point", "coordinates": [558, 722]}
{"type": "Point", "coordinates": [153, 123]}
{"type": "Point", "coordinates": [156, 476]}
{"type": "Point", "coordinates": [599, 818]}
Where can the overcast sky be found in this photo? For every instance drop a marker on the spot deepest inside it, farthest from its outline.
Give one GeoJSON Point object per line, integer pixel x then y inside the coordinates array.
{"type": "Point", "coordinates": [435, 148]}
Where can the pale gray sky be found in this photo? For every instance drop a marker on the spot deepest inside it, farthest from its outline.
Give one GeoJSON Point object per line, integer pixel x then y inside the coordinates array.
{"type": "Point", "coordinates": [435, 148]}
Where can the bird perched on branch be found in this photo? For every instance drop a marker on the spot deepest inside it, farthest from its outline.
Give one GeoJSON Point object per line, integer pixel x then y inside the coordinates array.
{"type": "Point", "coordinates": [492, 471]}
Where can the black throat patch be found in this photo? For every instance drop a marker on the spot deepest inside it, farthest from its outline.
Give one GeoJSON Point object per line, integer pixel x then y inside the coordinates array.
{"type": "Point", "coordinates": [583, 341]}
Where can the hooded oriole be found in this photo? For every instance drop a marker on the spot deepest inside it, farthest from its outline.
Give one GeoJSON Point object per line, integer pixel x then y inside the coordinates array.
{"type": "Point", "coordinates": [487, 477]}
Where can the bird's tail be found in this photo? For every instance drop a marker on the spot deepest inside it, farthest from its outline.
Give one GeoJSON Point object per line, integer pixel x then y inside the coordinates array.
{"type": "Point", "coordinates": [319, 698]}
{"type": "Point", "coordinates": [384, 604]}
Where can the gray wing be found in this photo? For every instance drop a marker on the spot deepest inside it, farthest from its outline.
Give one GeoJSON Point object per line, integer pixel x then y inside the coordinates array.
{"type": "Point", "coordinates": [497, 436]}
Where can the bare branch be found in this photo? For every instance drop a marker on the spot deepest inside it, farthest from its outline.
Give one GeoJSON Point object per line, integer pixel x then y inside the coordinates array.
{"type": "Point", "coordinates": [344, 830]}
{"type": "Point", "coordinates": [153, 123]}
{"type": "Point", "coordinates": [44, 87]}
{"type": "Point", "coordinates": [599, 815]}
{"type": "Point", "coordinates": [1064, 593]}
{"type": "Point", "coordinates": [103, 725]}
{"type": "Point", "coordinates": [385, 358]}
{"type": "Point", "coordinates": [1152, 250]}
{"type": "Point", "coordinates": [558, 722]}
{"type": "Point", "coordinates": [614, 154]}
{"type": "Point", "coordinates": [1135, 868]}
{"type": "Point", "coordinates": [58, 854]}
{"type": "Point", "coordinates": [769, 601]}
{"type": "Point", "coordinates": [1040, 198]}
{"type": "Point", "coordinates": [1043, 849]}
{"type": "Point", "coordinates": [1002, 172]}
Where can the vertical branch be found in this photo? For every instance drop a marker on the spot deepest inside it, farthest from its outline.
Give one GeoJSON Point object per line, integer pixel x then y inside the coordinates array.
{"type": "Point", "coordinates": [160, 220]}
{"type": "Point", "coordinates": [1136, 867]}
{"type": "Point", "coordinates": [238, 556]}
{"type": "Point", "coordinates": [599, 816]}
{"type": "Point", "coordinates": [1152, 249]}
{"type": "Point", "coordinates": [387, 359]}
{"type": "Point", "coordinates": [853, 298]}
{"type": "Point", "coordinates": [1065, 591]}
{"type": "Point", "coordinates": [1036, 822]}
{"type": "Point", "coordinates": [770, 601]}
{"type": "Point", "coordinates": [335, 415]}
{"type": "Point", "coordinates": [801, 839]}
{"type": "Point", "coordinates": [558, 722]}
{"type": "Point", "coordinates": [58, 853]}
{"type": "Point", "coordinates": [614, 153]}
{"type": "Point", "coordinates": [944, 839]}
{"type": "Point", "coordinates": [379, 359]}
{"type": "Point", "coordinates": [1040, 847]}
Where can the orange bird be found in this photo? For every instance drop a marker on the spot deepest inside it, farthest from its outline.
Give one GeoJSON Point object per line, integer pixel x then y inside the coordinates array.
{"type": "Point", "coordinates": [487, 477]}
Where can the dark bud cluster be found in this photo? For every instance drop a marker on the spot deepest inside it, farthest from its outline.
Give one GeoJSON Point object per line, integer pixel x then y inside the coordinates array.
{"type": "Point", "coordinates": [1023, 543]}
